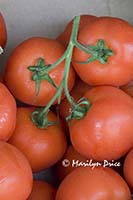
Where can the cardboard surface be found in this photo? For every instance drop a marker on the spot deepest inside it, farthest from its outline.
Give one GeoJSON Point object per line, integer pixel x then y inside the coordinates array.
{"type": "Point", "coordinates": [27, 18]}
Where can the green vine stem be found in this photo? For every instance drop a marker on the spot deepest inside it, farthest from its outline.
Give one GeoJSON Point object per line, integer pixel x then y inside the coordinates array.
{"type": "Point", "coordinates": [40, 72]}
{"type": "Point", "coordinates": [1, 50]}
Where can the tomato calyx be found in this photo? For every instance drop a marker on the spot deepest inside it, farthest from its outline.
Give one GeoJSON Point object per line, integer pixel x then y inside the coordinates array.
{"type": "Point", "coordinates": [98, 52]}
{"type": "Point", "coordinates": [39, 73]}
{"type": "Point", "coordinates": [1, 50]}
{"type": "Point", "coordinates": [79, 110]}
{"type": "Point", "coordinates": [40, 119]}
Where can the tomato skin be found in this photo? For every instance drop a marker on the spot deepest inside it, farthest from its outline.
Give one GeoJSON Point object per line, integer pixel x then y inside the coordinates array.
{"type": "Point", "coordinates": [42, 147]}
{"type": "Point", "coordinates": [70, 155]}
{"type": "Point", "coordinates": [65, 35]}
{"type": "Point", "coordinates": [128, 169]}
{"type": "Point", "coordinates": [118, 65]}
{"type": "Point", "coordinates": [106, 130]}
{"type": "Point", "coordinates": [15, 173]}
{"type": "Point", "coordinates": [7, 113]}
{"type": "Point", "coordinates": [128, 88]}
{"type": "Point", "coordinates": [3, 32]}
{"type": "Point", "coordinates": [27, 54]}
{"type": "Point", "coordinates": [42, 190]}
{"type": "Point", "coordinates": [99, 183]}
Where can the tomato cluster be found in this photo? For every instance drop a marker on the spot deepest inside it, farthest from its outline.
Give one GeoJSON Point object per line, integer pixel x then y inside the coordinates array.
{"type": "Point", "coordinates": [75, 113]}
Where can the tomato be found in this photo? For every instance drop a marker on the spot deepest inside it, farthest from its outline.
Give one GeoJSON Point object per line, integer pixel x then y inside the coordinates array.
{"type": "Point", "coordinates": [106, 130]}
{"type": "Point", "coordinates": [68, 163]}
{"type": "Point", "coordinates": [42, 147]}
{"type": "Point", "coordinates": [42, 190]}
{"type": "Point", "coordinates": [3, 32]}
{"type": "Point", "coordinates": [77, 92]}
{"type": "Point", "coordinates": [37, 53]}
{"type": "Point", "coordinates": [15, 173]}
{"type": "Point", "coordinates": [65, 36]}
{"type": "Point", "coordinates": [110, 44]}
{"type": "Point", "coordinates": [7, 113]}
{"type": "Point", "coordinates": [128, 88]}
{"type": "Point", "coordinates": [128, 169]}
{"type": "Point", "coordinates": [99, 183]}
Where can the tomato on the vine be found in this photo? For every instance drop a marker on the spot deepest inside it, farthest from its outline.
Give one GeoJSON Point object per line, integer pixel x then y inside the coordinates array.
{"type": "Point", "coordinates": [27, 75]}
{"type": "Point", "coordinates": [98, 183]}
{"type": "Point", "coordinates": [7, 113]}
{"type": "Point", "coordinates": [42, 190]}
{"type": "Point", "coordinates": [42, 147]}
{"type": "Point", "coordinates": [105, 132]}
{"type": "Point", "coordinates": [107, 59]}
{"type": "Point", "coordinates": [15, 173]}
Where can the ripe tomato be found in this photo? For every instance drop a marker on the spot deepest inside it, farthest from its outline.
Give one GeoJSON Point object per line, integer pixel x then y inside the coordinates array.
{"type": "Point", "coordinates": [128, 169]}
{"type": "Point", "coordinates": [42, 190]}
{"type": "Point", "coordinates": [18, 77]}
{"type": "Point", "coordinates": [42, 147]}
{"type": "Point", "coordinates": [3, 33]}
{"type": "Point", "coordinates": [7, 113]}
{"type": "Point", "coordinates": [99, 183]}
{"type": "Point", "coordinates": [68, 163]}
{"type": "Point", "coordinates": [112, 62]}
{"type": "Point", "coordinates": [128, 88]}
{"type": "Point", "coordinates": [77, 92]}
{"type": "Point", "coordinates": [106, 130]}
{"type": "Point", "coordinates": [15, 173]}
{"type": "Point", "coordinates": [65, 36]}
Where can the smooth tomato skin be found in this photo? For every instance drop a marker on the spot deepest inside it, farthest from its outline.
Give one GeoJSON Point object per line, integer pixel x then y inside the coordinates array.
{"type": "Point", "coordinates": [118, 69]}
{"type": "Point", "coordinates": [15, 173]}
{"type": "Point", "coordinates": [77, 92]}
{"type": "Point", "coordinates": [106, 130]}
{"type": "Point", "coordinates": [128, 169]}
{"type": "Point", "coordinates": [99, 183]}
{"type": "Point", "coordinates": [71, 155]}
{"type": "Point", "coordinates": [7, 113]}
{"type": "Point", "coordinates": [42, 190]}
{"type": "Point", "coordinates": [64, 37]}
{"type": "Point", "coordinates": [3, 32]}
{"type": "Point", "coordinates": [19, 79]}
{"type": "Point", "coordinates": [42, 147]}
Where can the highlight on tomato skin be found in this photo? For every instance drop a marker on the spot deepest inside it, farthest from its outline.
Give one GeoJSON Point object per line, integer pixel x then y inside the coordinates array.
{"type": "Point", "coordinates": [43, 147]}
{"type": "Point", "coordinates": [7, 113]}
{"type": "Point", "coordinates": [106, 130]}
{"type": "Point", "coordinates": [36, 85]}
{"type": "Point", "coordinates": [128, 169]}
{"type": "Point", "coordinates": [64, 37]}
{"type": "Point", "coordinates": [42, 190]}
{"type": "Point", "coordinates": [15, 173]}
{"type": "Point", "coordinates": [3, 31]}
{"type": "Point", "coordinates": [98, 183]}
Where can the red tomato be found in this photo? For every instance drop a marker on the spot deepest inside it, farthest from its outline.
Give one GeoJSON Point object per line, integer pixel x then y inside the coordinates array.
{"type": "Point", "coordinates": [128, 169]}
{"type": "Point", "coordinates": [77, 92]}
{"type": "Point", "coordinates": [118, 37]}
{"type": "Point", "coordinates": [42, 191]}
{"type": "Point", "coordinates": [65, 36]}
{"type": "Point", "coordinates": [99, 183]}
{"type": "Point", "coordinates": [128, 88]}
{"type": "Point", "coordinates": [3, 33]}
{"type": "Point", "coordinates": [15, 173]}
{"type": "Point", "coordinates": [7, 113]}
{"type": "Point", "coordinates": [42, 147]}
{"type": "Point", "coordinates": [68, 163]}
{"type": "Point", "coordinates": [106, 130]}
{"type": "Point", "coordinates": [18, 77]}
